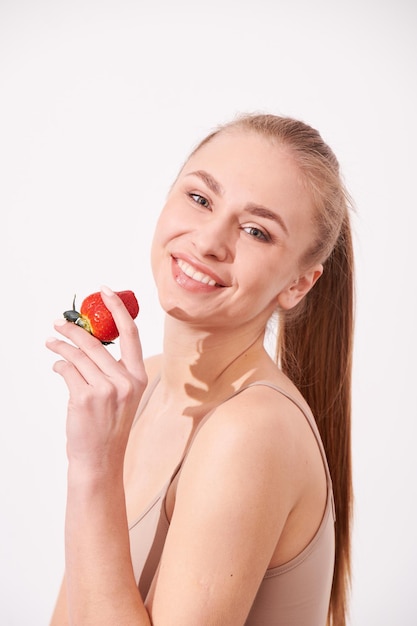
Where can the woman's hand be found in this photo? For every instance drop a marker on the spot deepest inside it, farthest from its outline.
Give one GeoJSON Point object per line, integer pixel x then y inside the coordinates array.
{"type": "Point", "coordinates": [103, 393]}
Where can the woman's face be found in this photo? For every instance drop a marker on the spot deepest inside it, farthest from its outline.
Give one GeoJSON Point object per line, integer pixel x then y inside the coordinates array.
{"type": "Point", "coordinates": [228, 240]}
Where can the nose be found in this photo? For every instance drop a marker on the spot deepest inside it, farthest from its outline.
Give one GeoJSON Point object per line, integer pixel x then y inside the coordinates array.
{"type": "Point", "coordinates": [216, 238]}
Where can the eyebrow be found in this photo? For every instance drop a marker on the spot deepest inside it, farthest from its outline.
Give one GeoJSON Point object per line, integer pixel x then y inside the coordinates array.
{"type": "Point", "coordinates": [252, 208]}
{"type": "Point", "coordinates": [261, 211]}
{"type": "Point", "coordinates": [208, 179]}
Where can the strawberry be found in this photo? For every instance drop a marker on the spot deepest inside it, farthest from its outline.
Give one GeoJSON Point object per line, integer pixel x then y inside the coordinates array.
{"type": "Point", "coordinates": [96, 318]}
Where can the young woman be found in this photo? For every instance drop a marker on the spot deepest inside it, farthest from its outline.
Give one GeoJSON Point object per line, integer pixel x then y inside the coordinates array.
{"type": "Point", "coordinates": [201, 490]}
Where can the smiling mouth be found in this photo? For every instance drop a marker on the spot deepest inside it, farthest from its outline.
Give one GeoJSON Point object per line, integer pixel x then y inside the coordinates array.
{"type": "Point", "coordinates": [199, 277]}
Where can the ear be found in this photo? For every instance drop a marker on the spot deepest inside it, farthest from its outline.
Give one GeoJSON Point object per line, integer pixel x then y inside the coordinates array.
{"type": "Point", "coordinates": [295, 292]}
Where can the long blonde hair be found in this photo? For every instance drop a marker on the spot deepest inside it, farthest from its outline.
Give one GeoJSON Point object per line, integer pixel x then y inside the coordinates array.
{"type": "Point", "coordinates": [315, 339]}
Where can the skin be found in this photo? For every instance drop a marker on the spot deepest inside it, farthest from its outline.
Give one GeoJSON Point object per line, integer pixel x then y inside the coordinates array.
{"type": "Point", "coordinates": [254, 468]}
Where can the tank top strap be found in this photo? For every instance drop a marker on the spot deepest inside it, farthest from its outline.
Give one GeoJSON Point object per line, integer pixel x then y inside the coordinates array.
{"type": "Point", "coordinates": [306, 412]}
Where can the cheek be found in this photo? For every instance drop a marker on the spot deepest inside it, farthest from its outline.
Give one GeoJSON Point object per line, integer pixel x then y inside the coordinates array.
{"type": "Point", "coordinates": [166, 231]}
{"type": "Point", "coordinates": [265, 278]}
{"type": "Point", "coordinates": [161, 234]}
{"type": "Point", "coordinates": [168, 226]}
{"type": "Point", "coordinates": [157, 245]}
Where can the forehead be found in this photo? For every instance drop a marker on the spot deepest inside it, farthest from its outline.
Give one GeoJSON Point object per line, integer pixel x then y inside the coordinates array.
{"type": "Point", "coordinates": [246, 145]}
{"type": "Point", "coordinates": [247, 162]}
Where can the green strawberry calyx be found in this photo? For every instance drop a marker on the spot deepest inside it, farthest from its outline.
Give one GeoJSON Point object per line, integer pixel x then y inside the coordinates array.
{"type": "Point", "coordinates": [72, 315]}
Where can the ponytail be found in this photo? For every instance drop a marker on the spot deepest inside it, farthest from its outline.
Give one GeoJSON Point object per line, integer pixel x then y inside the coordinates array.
{"type": "Point", "coordinates": [315, 352]}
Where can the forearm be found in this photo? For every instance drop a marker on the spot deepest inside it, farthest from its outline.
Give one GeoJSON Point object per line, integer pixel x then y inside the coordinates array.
{"type": "Point", "coordinates": [101, 588]}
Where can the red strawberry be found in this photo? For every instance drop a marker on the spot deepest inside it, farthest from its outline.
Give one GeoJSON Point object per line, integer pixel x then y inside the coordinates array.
{"type": "Point", "coordinates": [96, 318]}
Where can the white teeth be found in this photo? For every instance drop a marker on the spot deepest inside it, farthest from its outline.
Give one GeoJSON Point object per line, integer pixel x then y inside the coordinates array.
{"type": "Point", "coordinates": [194, 274]}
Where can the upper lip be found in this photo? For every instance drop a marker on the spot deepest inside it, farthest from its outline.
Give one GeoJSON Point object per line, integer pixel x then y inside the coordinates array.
{"type": "Point", "coordinates": [200, 267]}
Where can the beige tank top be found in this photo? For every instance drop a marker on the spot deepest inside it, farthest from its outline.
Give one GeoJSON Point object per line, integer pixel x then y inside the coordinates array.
{"type": "Point", "coordinates": [294, 594]}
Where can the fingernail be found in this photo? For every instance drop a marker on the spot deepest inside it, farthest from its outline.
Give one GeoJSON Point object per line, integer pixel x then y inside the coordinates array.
{"type": "Point", "coordinates": [60, 322]}
{"type": "Point", "coordinates": [107, 290]}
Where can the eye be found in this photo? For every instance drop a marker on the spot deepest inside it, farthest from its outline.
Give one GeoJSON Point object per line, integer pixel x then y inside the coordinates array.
{"type": "Point", "coordinates": [200, 200]}
{"type": "Point", "coordinates": [257, 233]}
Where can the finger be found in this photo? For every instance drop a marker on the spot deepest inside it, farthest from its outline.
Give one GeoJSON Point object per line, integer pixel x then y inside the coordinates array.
{"type": "Point", "coordinates": [89, 344]}
{"type": "Point", "coordinates": [130, 346]}
{"type": "Point", "coordinates": [72, 377]}
{"type": "Point", "coordinates": [91, 359]}
{"type": "Point", "coordinates": [77, 360]}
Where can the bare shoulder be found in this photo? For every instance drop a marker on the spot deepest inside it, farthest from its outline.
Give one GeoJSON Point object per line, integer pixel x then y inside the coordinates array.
{"type": "Point", "coordinates": [260, 418]}
{"type": "Point", "coordinates": [258, 433]}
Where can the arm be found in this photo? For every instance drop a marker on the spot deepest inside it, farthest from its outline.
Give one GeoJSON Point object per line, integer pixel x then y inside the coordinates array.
{"type": "Point", "coordinates": [104, 395]}
{"type": "Point", "coordinates": [60, 614]}
{"type": "Point", "coordinates": [228, 516]}
{"type": "Point", "coordinates": [227, 496]}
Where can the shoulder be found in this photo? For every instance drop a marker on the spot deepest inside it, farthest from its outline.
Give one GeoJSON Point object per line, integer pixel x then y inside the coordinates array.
{"type": "Point", "coordinates": [259, 416]}
{"type": "Point", "coordinates": [254, 440]}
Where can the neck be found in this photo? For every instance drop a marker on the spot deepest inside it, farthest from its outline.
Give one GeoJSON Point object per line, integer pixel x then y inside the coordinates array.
{"type": "Point", "coordinates": [198, 365]}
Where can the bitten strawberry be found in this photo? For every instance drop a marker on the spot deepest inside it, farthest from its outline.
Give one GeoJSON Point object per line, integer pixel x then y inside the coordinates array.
{"type": "Point", "coordinates": [96, 318]}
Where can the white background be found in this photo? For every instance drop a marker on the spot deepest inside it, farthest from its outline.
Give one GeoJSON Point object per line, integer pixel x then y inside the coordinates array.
{"type": "Point", "coordinates": [100, 102]}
